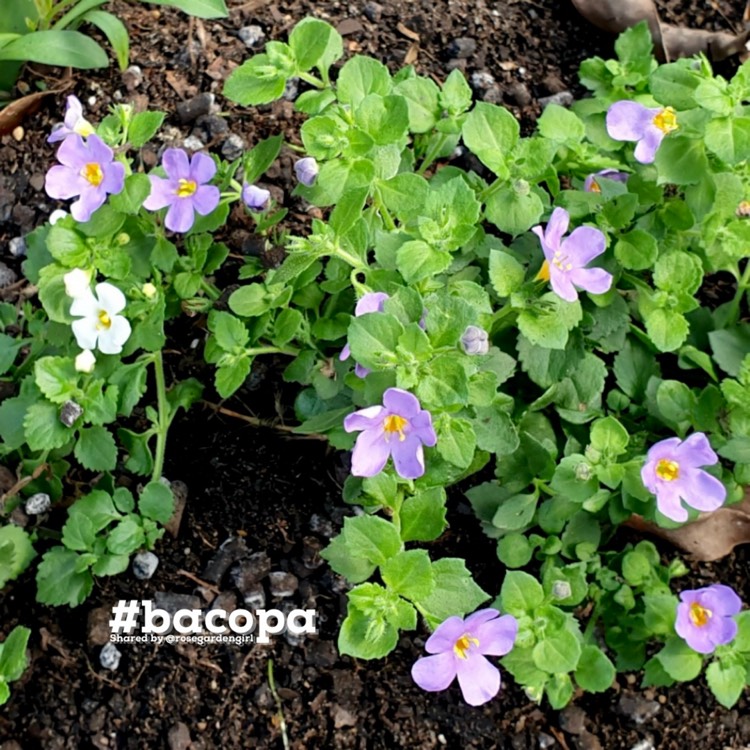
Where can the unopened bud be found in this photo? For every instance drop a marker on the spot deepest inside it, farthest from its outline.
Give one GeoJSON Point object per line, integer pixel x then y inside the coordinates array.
{"type": "Point", "coordinates": [77, 282]}
{"type": "Point", "coordinates": [583, 472]}
{"type": "Point", "coordinates": [561, 590]}
{"type": "Point", "coordinates": [70, 412]}
{"type": "Point", "coordinates": [122, 239]}
{"type": "Point", "coordinates": [149, 290]}
{"type": "Point", "coordinates": [85, 361]}
{"type": "Point", "coordinates": [475, 341]}
{"type": "Point", "coordinates": [306, 170]}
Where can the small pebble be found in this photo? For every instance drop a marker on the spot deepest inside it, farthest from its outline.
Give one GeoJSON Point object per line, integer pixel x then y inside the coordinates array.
{"type": "Point", "coordinates": [544, 741]}
{"type": "Point", "coordinates": [521, 94]}
{"type": "Point", "coordinates": [250, 570]}
{"type": "Point", "coordinates": [251, 35]}
{"type": "Point", "coordinates": [233, 147]}
{"type": "Point", "coordinates": [563, 98]}
{"type": "Point", "coordinates": [255, 597]}
{"type": "Point", "coordinates": [481, 79]}
{"type": "Point", "coordinates": [7, 276]}
{"type": "Point", "coordinates": [17, 247]}
{"type": "Point", "coordinates": [643, 745]}
{"type": "Point", "coordinates": [91, 101]}
{"type": "Point", "coordinates": [373, 11]}
{"type": "Point", "coordinates": [282, 584]}
{"type": "Point", "coordinates": [193, 108]}
{"type": "Point", "coordinates": [462, 47]}
{"type": "Point", "coordinates": [38, 503]}
{"type": "Point", "coordinates": [179, 737]}
{"type": "Point", "coordinates": [321, 525]}
{"type": "Point", "coordinates": [291, 89]}
{"type": "Point", "coordinates": [109, 656]}
{"type": "Point", "coordinates": [311, 548]}
{"type": "Point", "coordinates": [572, 720]}
{"type": "Point", "coordinates": [193, 144]}
{"type": "Point", "coordinates": [70, 412]}
{"type": "Point", "coordinates": [132, 77]}
{"type": "Point", "coordinates": [18, 133]}
{"type": "Point", "coordinates": [145, 565]}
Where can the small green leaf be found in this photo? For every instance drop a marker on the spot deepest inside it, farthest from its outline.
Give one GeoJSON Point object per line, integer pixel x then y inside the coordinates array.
{"type": "Point", "coordinates": [595, 672]}
{"type": "Point", "coordinates": [726, 681]}
{"type": "Point", "coordinates": [423, 516]}
{"type": "Point", "coordinates": [156, 502]}
{"type": "Point", "coordinates": [59, 581]}
{"type": "Point", "coordinates": [521, 594]}
{"type": "Point", "coordinates": [96, 449]}
{"type": "Point", "coordinates": [409, 574]}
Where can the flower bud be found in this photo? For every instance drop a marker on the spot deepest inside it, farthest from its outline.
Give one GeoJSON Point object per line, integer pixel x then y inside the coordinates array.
{"type": "Point", "coordinates": [85, 361]}
{"type": "Point", "coordinates": [122, 239]}
{"type": "Point", "coordinates": [561, 590]}
{"type": "Point", "coordinates": [306, 170]}
{"type": "Point", "coordinates": [149, 290]}
{"type": "Point", "coordinates": [56, 215]}
{"type": "Point", "coordinates": [254, 197]}
{"type": "Point", "coordinates": [583, 472]}
{"type": "Point", "coordinates": [70, 412]}
{"type": "Point", "coordinates": [77, 282]}
{"type": "Point", "coordinates": [475, 340]}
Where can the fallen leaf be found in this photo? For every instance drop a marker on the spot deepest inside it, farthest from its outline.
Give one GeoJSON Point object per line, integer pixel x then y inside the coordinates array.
{"type": "Point", "coordinates": [716, 45]}
{"type": "Point", "coordinates": [411, 54]}
{"type": "Point", "coordinates": [711, 536]}
{"type": "Point", "coordinates": [13, 115]}
{"type": "Point", "coordinates": [407, 32]}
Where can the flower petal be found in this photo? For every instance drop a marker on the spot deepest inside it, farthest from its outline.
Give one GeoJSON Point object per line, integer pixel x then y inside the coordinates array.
{"type": "Point", "coordinates": [721, 599]}
{"type": "Point", "coordinates": [371, 302]}
{"type": "Point", "coordinates": [696, 451]}
{"type": "Point", "coordinates": [445, 636]}
{"type": "Point", "coordinates": [111, 299]}
{"type": "Point", "coordinates": [176, 164]}
{"type": "Point", "coordinates": [111, 340]}
{"type": "Point", "coordinates": [594, 280]}
{"type": "Point", "coordinates": [556, 228]}
{"type": "Point", "coordinates": [583, 245]}
{"type": "Point", "coordinates": [90, 200]}
{"type": "Point", "coordinates": [86, 333]}
{"type": "Point", "coordinates": [401, 402]}
{"type": "Point", "coordinates": [370, 453]}
{"type": "Point", "coordinates": [700, 490]}
{"type": "Point", "coordinates": [408, 456]}
{"type": "Point", "coordinates": [628, 121]}
{"type": "Point", "coordinates": [98, 151]}
{"type": "Point", "coordinates": [668, 501]}
{"type": "Point", "coordinates": [421, 427]}
{"type": "Point", "coordinates": [433, 673]}
{"type": "Point", "coordinates": [114, 177]}
{"type": "Point", "coordinates": [664, 449]}
{"type": "Point", "coordinates": [364, 419]}
{"type": "Point", "coordinates": [87, 305]}
{"type": "Point", "coordinates": [479, 680]}
{"type": "Point", "coordinates": [206, 198]}
{"type": "Point", "coordinates": [496, 638]}
{"type": "Point", "coordinates": [73, 153]}
{"type": "Point", "coordinates": [561, 284]}
{"type": "Point", "coordinates": [202, 168]}
{"type": "Point", "coordinates": [162, 193]}
{"type": "Point", "coordinates": [63, 182]}
{"type": "Point", "coordinates": [645, 151]}
{"type": "Point", "coordinates": [180, 216]}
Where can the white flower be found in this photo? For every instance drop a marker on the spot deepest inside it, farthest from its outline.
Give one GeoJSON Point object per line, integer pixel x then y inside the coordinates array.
{"type": "Point", "coordinates": [77, 282]}
{"type": "Point", "coordinates": [85, 361]}
{"type": "Point", "coordinates": [56, 215]}
{"type": "Point", "coordinates": [100, 326]}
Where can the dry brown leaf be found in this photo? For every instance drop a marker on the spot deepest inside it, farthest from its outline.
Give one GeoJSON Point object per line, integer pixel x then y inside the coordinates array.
{"type": "Point", "coordinates": [13, 115]}
{"type": "Point", "coordinates": [716, 45]}
{"type": "Point", "coordinates": [411, 54]}
{"type": "Point", "coordinates": [407, 32]}
{"type": "Point", "coordinates": [711, 536]}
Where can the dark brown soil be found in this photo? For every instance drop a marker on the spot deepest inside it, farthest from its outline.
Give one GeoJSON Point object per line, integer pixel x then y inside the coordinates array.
{"type": "Point", "coordinates": [281, 494]}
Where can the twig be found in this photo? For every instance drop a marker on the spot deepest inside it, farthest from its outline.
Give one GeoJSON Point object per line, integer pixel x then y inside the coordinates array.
{"type": "Point", "coordinates": [257, 422]}
{"type": "Point", "coordinates": [21, 483]}
{"type": "Point", "coordinates": [280, 714]}
{"type": "Point", "coordinates": [200, 582]}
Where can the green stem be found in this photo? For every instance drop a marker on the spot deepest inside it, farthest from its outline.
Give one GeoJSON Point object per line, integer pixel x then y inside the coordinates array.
{"type": "Point", "coordinates": [164, 417]}
{"type": "Point", "coordinates": [347, 258]}
{"type": "Point", "coordinates": [279, 707]}
{"type": "Point", "coordinates": [498, 317]}
{"type": "Point", "coordinates": [312, 80]}
{"type": "Point", "coordinates": [211, 291]}
{"type": "Point", "coordinates": [383, 211]}
{"type": "Point", "coordinates": [256, 350]}
{"type": "Point", "coordinates": [743, 284]}
{"type": "Point", "coordinates": [492, 189]}
{"type": "Point", "coordinates": [432, 154]}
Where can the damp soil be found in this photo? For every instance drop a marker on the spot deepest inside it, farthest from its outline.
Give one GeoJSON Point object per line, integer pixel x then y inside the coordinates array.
{"type": "Point", "coordinates": [263, 501]}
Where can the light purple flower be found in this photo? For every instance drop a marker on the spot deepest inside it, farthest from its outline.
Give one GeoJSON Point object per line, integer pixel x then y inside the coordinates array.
{"type": "Point", "coordinates": [254, 197]}
{"type": "Point", "coordinates": [459, 647]}
{"type": "Point", "coordinates": [631, 121]}
{"type": "Point", "coordinates": [184, 189]}
{"type": "Point", "coordinates": [87, 168]}
{"type": "Point", "coordinates": [73, 124]}
{"type": "Point", "coordinates": [591, 183]}
{"type": "Point", "coordinates": [475, 340]}
{"type": "Point", "coordinates": [368, 303]}
{"type": "Point", "coordinates": [565, 259]}
{"type": "Point", "coordinates": [672, 472]}
{"type": "Point", "coordinates": [704, 617]}
{"type": "Point", "coordinates": [306, 170]}
{"type": "Point", "coordinates": [399, 428]}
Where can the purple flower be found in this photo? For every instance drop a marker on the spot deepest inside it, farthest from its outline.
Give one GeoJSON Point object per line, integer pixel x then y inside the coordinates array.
{"type": "Point", "coordinates": [306, 170]}
{"type": "Point", "coordinates": [591, 183]}
{"type": "Point", "coordinates": [254, 197]}
{"type": "Point", "coordinates": [369, 303]}
{"type": "Point", "coordinates": [184, 189]}
{"type": "Point", "coordinates": [630, 121]}
{"type": "Point", "coordinates": [399, 428]}
{"type": "Point", "coordinates": [459, 647]}
{"type": "Point", "coordinates": [565, 258]}
{"type": "Point", "coordinates": [475, 340]}
{"type": "Point", "coordinates": [672, 472]}
{"type": "Point", "coordinates": [73, 124]}
{"type": "Point", "coordinates": [87, 168]}
{"type": "Point", "coordinates": [704, 617]}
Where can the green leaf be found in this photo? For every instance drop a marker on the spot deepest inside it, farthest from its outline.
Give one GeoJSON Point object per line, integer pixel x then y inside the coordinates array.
{"type": "Point", "coordinates": [595, 673]}
{"type": "Point", "coordinates": [59, 48]}
{"type": "Point", "coordinates": [197, 8]}
{"type": "Point", "coordinates": [679, 660]}
{"type": "Point", "coordinates": [516, 512]}
{"type": "Point", "coordinates": [409, 574]}
{"type": "Point", "coordinates": [261, 157]}
{"type": "Point", "coordinates": [557, 652]}
{"type": "Point", "coordinates": [667, 329]}
{"type": "Point", "coordinates": [59, 581]}
{"type": "Point", "coordinates": [43, 428]}
{"type": "Point", "coordinates": [129, 201]}
{"type": "Point", "coordinates": [637, 250]}
{"type": "Point", "coordinates": [56, 378]}
{"type": "Point", "coordinates": [98, 507]}
{"type": "Point", "coordinates": [456, 440]}
{"type": "Point", "coordinates": [726, 681]}
{"type": "Point", "coordinates": [96, 449]}
{"type": "Point", "coordinates": [455, 96]}
{"type": "Point", "coordinates": [417, 260]}
{"type": "Point", "coordinates": [560, 125]}
{"type": "Point", "coordinates": [521, 594]}
{"type": "Point", "coordinates": [455, 592]}
{"type": "Point", "coordinates": [231, 333]}
{"type": "Point", "coordinates": [491, 133]}
{"type": "Point", "coordinates": [13, 661]}
{"type": "Point", "coordinates": [156, 502]}
{"type": "Point", "coordinates": [345, 562]}
{"type": "Point", "coordinates": [315, 43]}
{"type": "Point", "coordinates": [16, 552]}
{"type": "Point", "coordinates": [505, 272]}
{"type": "Point", "coordinates": [370, 538]}
{"type": "Point", "coordinates": [361, 76]}
{"type": "Point", "coordinates": [514, 209]}
{"type": "Point", "coordinates": [548, 325]}
{"type": "Point", "coordinates": [423, 516]}
{"type": "Point", "coordinates": [256, 81]}
{"type": "Point", "coordinates": [559, 689]}
{"type": "Point", "coordinates": [143, 127]}
{"type": "Point", "coordinates": [79, 533]}
{"type": "Point", "coordinates": [115, 31]}
{"type": "Point", "coordinates": [373, 339]}
{"type": "Point", "coordinates": [729, 138]}
{"type": "Point", "coordinates": [609, 437]}
{"type": "Point", "coordinates": [126, 537]}
{"type": "Point", "coordinates": [681, 160]}
{"type": "Point", "coordinates": [421, 95]}
{"type": "Point", "coordinates": [495, 430]}
{"type": "Point", "coordinates": [729, 347]}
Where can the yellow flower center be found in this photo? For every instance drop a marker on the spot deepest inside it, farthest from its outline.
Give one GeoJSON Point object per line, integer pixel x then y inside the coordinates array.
{"type": "Point", "coordinates": [595, 187]}
{"type": "Point", "coordinates": [394, 423]}
{"type": "Point", "coordinates": [543, 274]}
{"type": "Point", "coordinates": [699, 616]}
{"type": "Point", "coordinates": [105, 321]}
{"type": "Point", "coordinates": [666, 120]}
{"type": "Point", "coordinates": [84, 128]}
{"type": "Point", "coordinates": [186, 188]}
{"type": "Point", "coordinates": [92, 173]}
{"type": "Point", "coordinates": [668, 470]}
{"type": "Point", "coordinates": [463, 644]}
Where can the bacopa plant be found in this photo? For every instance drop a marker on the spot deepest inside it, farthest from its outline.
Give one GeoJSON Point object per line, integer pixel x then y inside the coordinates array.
{"type": "Point", "coordinates": [537, 320]}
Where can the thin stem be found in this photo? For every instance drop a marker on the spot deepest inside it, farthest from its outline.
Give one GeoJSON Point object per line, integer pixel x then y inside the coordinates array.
{"type": "Point", "coordinates": [743, 283]}
{"type": "Point", "coordinates": [291, 351]}
{"type": "Point", "coordinates": [210, 290]}
{"type": "Point", "coordinates": [384, 212]}
{"type": "Point", "coordinates": [279, 707]}
{"type": "Point", "coordinates": [312, 80]}
{"type": "Point", "coordinates": [163, 417]}
{"type": "Point", "coordinates": [432, 154]}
